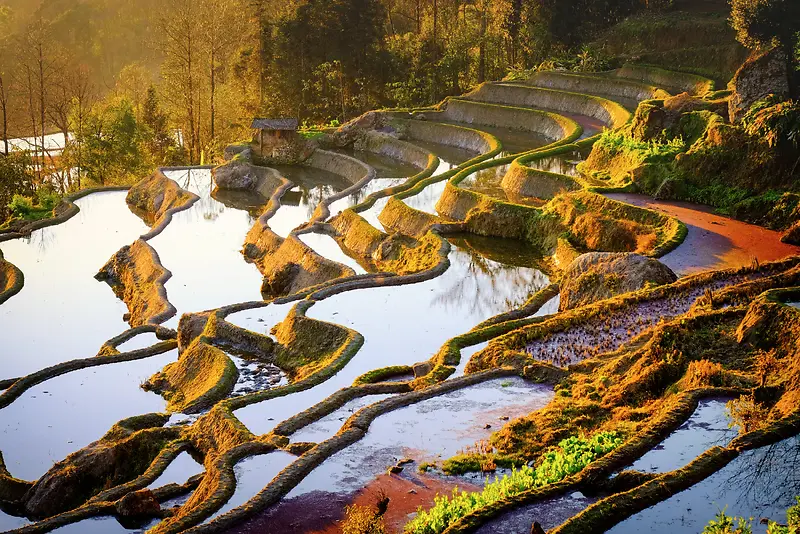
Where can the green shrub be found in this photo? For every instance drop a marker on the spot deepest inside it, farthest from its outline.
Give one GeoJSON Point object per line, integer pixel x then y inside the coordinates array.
{"type": "Point", "coordinates": [570, 457]}
{"type": "Point", "coordinates": [47, 200]}
{"type": "Point", "coordinates": [792, 522]}
{"type": "Point", "coordinates": [21, 206]}
{"type": "Point", "coordinates": [724, 524]}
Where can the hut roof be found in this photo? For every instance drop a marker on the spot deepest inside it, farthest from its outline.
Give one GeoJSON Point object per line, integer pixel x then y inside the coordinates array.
{"type": "Point", "coordinates": [275, 124]}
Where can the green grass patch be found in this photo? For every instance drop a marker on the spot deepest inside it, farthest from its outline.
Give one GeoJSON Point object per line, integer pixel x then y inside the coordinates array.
{"type": "Point", "coordinates": [571, 456]}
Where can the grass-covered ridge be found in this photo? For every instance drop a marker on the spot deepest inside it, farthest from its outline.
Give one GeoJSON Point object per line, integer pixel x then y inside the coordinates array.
{"type": "Point", "coordinates": [570, 457]}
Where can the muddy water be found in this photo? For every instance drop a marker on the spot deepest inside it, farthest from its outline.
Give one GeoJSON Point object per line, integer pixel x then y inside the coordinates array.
{"type": "Point", "coordinates": [709, 426]}
{"type": "Point", "coordinates": [760, 484]}
{"type": "Point", "coordinates": [66, 413]}
{"type": "Point", "coordinates": [714, 241]}
{"type": "Point", "coordinates": [46, 323]}
{"type": "Point", "coordinates": [431, 430]}
{"type": "Point", "coordinates": [606, 334]}
{"type": "Point", "coordinates": [470, 291]}
{"type": "Point", "coordinates": [202, 245]}
{"type": "Point", "coordinates": [549, 514]}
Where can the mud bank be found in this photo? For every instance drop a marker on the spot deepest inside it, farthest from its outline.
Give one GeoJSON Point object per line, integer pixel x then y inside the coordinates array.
{"type": "Point", "coordinates": [713, 241]}
{"type": "Point", "coordinates": [11, 279]}
{"type": "Point", "coordinates": [137, 277]}
{"type": "Point", "coordinates": [156, 199]}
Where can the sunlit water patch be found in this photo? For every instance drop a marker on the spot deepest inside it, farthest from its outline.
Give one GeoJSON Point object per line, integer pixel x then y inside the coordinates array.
{"type": "Point", "coordinates": [471, 290]}
{"type": "Point", "coordinates": [66, 413]}
{"type": "Point", "coordinates": [62, 312]}
{"type": "Point", "coordinates": [201, 246]}
{"type": "Point", "coordinates": [327, 247]}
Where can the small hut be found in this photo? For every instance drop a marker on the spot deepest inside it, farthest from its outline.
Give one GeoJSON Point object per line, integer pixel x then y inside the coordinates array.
{"type": "Point", "coordinates": [274, 133]}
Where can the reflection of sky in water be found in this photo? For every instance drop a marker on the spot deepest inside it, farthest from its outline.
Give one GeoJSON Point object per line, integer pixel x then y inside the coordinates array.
{"type": "Point", "coordinates": [707, 427]}
{"type": "Point", "coordinates": [432, 429]}
{"type": "Point", "coordinates": [66, 413]}
{"type": "Point", "coordinates": [46, 323]}
{"type": "Point", "coordinates": [179, 471]}
{"type": "Point", "coordinates": [407, 324]}
{"type": "Point", "coordinates": [298, 204]}
{"type": "Point", "coordinates": [201, 246]}
{"type": "Point", "coordinates": [327, 247]}
{"type": "Point", "coordinates": [759, 483]}
{"type": "Point", "coordinates": [252, 475]}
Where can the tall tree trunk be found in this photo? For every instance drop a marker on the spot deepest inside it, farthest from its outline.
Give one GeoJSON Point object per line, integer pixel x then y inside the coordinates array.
{"type": "Point", "coordinates": [4, 104]}
{"type": "Point", "coordinates": [213, 89]}
{"type": "Point", "coordinates": [788, 49]}
{"type": "Point", "coordinates": [482, 49]}
{"type": "Point", "coordinates": [435, 22]}
{"type": "Point", "coordinates": [41, 98]}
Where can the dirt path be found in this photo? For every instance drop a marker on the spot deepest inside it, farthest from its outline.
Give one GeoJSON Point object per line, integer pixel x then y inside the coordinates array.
{"type": "Point", "coordinates": [714, 241]}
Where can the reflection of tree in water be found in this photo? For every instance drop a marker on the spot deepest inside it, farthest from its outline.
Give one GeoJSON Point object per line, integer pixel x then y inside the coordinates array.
{"type": "Point", "coordinates": [488, 287]}
{"type": "Point", "coordinates": [769, 476]}
{"type": "Point", "coordinates": [311, 197]}
{"type": "Point", "coordinates": [42, 239]}
{"type": "Point", "coordinates": [200, 183]}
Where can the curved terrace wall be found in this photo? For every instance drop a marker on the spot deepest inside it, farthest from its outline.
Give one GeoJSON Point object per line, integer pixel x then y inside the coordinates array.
{"type": "Point", "coordinates": [611, 113]}
{"type": "Point", "coordinates": [11, 279]}
{"type": "Point", "coordinates": [155, 199]}
{"type": "Point", "coordinates": [668, 79]}
{"type": "Point", "coordinates": [503, 115]}
{"type": "Point", "coordinates": [581, 83]}
{"type": "Point", "coordinates": [137, 277]}
{"type": "Point", "coordinates": [523, 181]}
{"type": "Point", "coordinates": [447, 134]}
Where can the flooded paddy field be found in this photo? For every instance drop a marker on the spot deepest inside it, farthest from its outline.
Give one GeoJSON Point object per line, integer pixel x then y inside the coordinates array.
{"type": "Point", "coordinates": [315, 363]}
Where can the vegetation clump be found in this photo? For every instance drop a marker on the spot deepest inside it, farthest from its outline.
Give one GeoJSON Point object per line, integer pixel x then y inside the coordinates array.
{"type": "Point", "coordinates": [570, 457]}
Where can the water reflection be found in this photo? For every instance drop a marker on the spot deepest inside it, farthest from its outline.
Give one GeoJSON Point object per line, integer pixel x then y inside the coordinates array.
{"type": "Point", "coordinates": [759, 483]}
{"type": "Point", "coordinates": [66, 413]}
{"type": "Point", "coordinates": [46, 323]}
{"type": "Point", "coordinates": [201, 247]}
{"type": "Point", "coordinates": [407, 324]}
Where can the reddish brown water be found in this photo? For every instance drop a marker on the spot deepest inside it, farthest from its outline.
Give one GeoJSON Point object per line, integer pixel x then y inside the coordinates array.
{"type": "Point", "coordinates": [714, 241]}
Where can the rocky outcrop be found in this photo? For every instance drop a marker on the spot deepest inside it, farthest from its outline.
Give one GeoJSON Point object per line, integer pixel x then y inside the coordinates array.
{"type": "Point", "coordinates": [761, 75]}
{"type": "Point", "coordinates": [792, 235]}
{"type": "Point", "coordinates": [138, 504]}
{"type": "Point", "coordinates": [123, 454]}
{"type": "Point", "coordinates": [202, 376]}
{"type": "Point", "coordinates": [243, 176]}
{"type": "Point", "coordinates": [137, 277]}
{"type": "Point", "coordinates": [355, 130]}
{"type": "Point", "coordinates": [600, 275]}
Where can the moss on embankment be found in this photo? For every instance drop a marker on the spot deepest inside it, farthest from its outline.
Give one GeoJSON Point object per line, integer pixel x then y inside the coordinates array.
{"type": "Point", "coordinates": [137, 277]}
{"type": "Point", "coordinates": [11, 279]}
